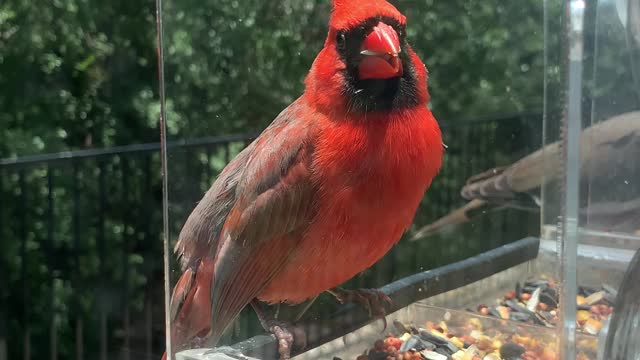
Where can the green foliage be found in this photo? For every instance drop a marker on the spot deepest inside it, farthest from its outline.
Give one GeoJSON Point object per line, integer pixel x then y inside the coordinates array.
{"type": "Point", "coordinates": [75, 73]}
{"type": "Point", "coordinates": [83, 74]}
{"type": "Point", "coordinates": [247, 61]}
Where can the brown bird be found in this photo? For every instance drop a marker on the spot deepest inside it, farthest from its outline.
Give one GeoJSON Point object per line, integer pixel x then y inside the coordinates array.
{"type": "Point", "coordinates": [610, 174]}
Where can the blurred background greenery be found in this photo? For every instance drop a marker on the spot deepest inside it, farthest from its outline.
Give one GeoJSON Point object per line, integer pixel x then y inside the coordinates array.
{"type": "Point", "coordinates": [81, 261]}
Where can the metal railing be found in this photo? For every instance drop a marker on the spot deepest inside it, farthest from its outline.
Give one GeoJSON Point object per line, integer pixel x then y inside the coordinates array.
{"type": "Point", "coordinates": [80, 233]}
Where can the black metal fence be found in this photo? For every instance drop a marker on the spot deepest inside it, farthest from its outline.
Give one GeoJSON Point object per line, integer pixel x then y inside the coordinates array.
{"type": "Point", "coordinates": [80, 233]}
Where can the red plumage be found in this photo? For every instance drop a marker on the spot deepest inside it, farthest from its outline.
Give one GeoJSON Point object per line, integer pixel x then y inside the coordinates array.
{"type": "Point", "coordinates": [322, 194]}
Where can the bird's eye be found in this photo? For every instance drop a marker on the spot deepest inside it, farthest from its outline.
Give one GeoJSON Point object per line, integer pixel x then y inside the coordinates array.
{"type": "Point", "coordinates": [341, 39]}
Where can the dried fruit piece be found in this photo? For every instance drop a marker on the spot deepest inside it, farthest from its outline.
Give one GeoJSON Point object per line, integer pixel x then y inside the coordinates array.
{"type": "Point", "coordinates": [484, 343]}
{"type": "Point", "coordinates": [549, 354]}
{"type": "Point", "coordinates": [471, 353]}
{"type": "Point", "coordinates": [475, 334]}
{"type": "Point", "coordinates": [392, 342]}
{"type": "Point", "coordinates": [483, 309]}
{"type": "Point", "coordinates": [592, 326]}
{"type": "Point", "coordinates": [475, 323]}
{"type": "Point", "coordinates": [443, 326]}
{"type": "Point", "coordinates": [522, 340]}
{"type": "Point", "coordinates": [583, 316]}
{"type": "Point", "coordinates": [492, 356]}
{"type": "Point", "coordinates": [496, 344]}
{"type": "Point", "coordinates": [504, 312]}
{"type": "Point", "coordinates": [467, 340]}
{"type": "Point", "coordinates": [457, 342]}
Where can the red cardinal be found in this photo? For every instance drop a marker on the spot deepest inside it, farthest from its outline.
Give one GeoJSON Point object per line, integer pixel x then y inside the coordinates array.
{"type": "Point", "coordinates": [324, 192]}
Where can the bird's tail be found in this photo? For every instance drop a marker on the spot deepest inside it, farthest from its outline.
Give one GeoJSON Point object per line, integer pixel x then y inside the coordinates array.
{"type": "Point", "coordinates": [190, 310]}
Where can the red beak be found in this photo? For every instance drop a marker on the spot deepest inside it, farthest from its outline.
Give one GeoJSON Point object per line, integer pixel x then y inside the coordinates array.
{"type": "Point", "coordinates": [380, 51]}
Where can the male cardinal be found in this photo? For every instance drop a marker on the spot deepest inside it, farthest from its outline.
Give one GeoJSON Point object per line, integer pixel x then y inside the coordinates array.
{"type": "Point", "coordinates": [323, 193]}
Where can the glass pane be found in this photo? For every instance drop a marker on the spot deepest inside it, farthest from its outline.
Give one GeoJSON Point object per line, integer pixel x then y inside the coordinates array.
{"type": "Point", "coordinates": [520, 210]}
{"type": "Point", "coordinates": [609, 191]}
{"type": "Point", "coordinates": [614, 99]}
{"type": "Point", "coordinates": [588, 198]}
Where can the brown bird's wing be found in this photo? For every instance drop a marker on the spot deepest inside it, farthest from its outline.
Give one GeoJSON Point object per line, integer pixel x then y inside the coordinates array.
{"type": "Point", "coordinates": [253, 216]}
{"type": "Point", "coordinates": [198, 240]}
{"type": "Point", "coordinates": [608, 151]}
{"type": "Point", "coordinates": [603, 145]}
{"type": "Point", "coordinates": [200, 233]}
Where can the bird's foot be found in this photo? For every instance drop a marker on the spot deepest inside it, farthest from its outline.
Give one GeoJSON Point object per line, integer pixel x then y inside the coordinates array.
{"type": "Point", "coordinates": [371, 299]}
{"type": "Point", "coordinates": [287, 335]}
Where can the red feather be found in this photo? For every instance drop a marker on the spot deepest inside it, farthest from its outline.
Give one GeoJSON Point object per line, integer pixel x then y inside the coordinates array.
{"type": "Point", "coordinates": [349, 13]}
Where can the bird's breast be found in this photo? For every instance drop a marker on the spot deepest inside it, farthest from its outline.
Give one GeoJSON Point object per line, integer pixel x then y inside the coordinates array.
{"type": "Point", "coordinates": [370, 178]}
{"type": "Point", "coordinates": [378, 167]}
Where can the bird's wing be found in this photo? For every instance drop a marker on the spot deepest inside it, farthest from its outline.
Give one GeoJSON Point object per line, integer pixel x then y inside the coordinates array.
{"type": "Point", "coordinates": [502, 184]}
{"type": "Point", "coordinates": [608, 150]}
{"type": "Point", "coordinates": [259, 208]}
{"type": "Point", "coordinates": [602, 147]}
{"type": "Point", "coordinates": [200, 234]}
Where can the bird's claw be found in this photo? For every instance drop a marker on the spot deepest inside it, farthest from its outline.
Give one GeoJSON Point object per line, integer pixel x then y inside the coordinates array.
{"type": "Point", "coordinates": [287, 336]}
{"type": "Point", "coordinates": [371, 299]}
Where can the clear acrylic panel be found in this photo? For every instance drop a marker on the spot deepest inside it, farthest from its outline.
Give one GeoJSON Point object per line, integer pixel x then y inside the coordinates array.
{"type": "Point", "coordinates": [520, 244]}
{"type": "Point", "coordinates": [589, 198]}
